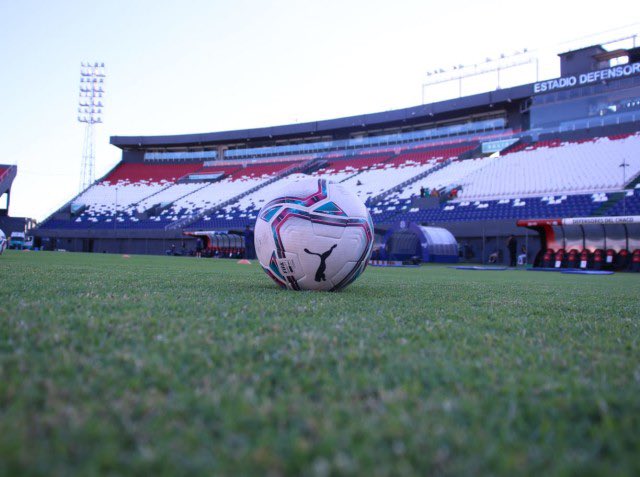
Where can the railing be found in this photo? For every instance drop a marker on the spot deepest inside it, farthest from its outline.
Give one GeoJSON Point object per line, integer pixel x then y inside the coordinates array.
{"type": "Point", "coordinates": [172, 156]}
{"type": "Point", "coordinates": [385, 140]}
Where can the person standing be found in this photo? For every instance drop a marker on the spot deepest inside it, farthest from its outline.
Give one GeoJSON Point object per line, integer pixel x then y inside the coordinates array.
{"type": "Point", "coordinates": [512, 245]}
{"type": "Point", "coordinates": [249, 248]}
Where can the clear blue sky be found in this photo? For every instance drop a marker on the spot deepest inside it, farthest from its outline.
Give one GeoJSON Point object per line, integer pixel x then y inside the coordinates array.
{"type": "Point", "coordinates": [209, 65]}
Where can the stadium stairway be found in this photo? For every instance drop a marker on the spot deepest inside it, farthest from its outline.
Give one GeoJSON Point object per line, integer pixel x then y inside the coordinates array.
{"type": "Point", "coordinates": [628, 205]}
{"type": "Point", "coordinates": [182, 179]}
{"type": "Point", "coordinates": [634, 182]}
{"type": "Point", "coordinates": [519, 145]}
{"type": "Point", "coordinates": [414, 179]}
{"type": "Point", "coordinates": [204, 184]}
{"type": "Point", "coordinates": [135, 204]}
{"type": "Point", "coordinates": [304, 167]}
{"type": "Point", "coordinates": [365, 169]}
{"type": "Point", "coordinates": [612, 200]}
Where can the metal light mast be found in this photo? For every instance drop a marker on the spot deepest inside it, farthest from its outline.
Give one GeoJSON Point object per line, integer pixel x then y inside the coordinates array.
{"type": "Point", "coordinates": [90, 106]}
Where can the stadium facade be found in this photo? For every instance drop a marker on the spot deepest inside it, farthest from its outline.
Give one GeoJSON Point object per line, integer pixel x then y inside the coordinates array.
{"type": "Point", "coordinates": [10, 224]}
{"type": "Point", "coordinates": [475, 165]}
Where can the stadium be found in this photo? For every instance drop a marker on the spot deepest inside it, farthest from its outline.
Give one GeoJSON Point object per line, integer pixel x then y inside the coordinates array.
{"type": "Point", "coordinates": [555, 149]}
{"type": "Point", "coordinates": [124, 353]}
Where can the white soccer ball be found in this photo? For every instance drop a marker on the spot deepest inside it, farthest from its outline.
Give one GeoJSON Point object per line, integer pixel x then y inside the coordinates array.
{"type": "Point", "coordinates": [3, 242]}
{"type": "Point", "coordinates": [314, 235]}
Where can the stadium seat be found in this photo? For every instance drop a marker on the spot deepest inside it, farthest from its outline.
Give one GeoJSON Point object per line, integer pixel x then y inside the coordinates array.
{"type": "Point", "coordinates": [635, 261]}
{"type": "Point", "coordinates": [553, 178]}
{"type": "Point", "coordinates": [572, 258]}
{"type": "Point", "coordinates": [559, 258]}
{"type": "Point", "coordinates": [585, 259]}
{"type": "Point", "coordinates": [610, 259]}
{"type": "Point", "coordinates": [622, 260]}
{"type": "Point", "coordinates": [548, 259]}
{"type": "Point", "coordinates": [598, 259]}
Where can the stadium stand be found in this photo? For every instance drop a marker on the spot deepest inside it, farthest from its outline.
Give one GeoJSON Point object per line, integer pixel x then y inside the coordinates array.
{"type": "Point", "coordinates": [547, 179]}
{"type": "Point", "coordinates": [7, 175]}
{"type": "Point", "coordinates": [8, 223]}
{"type": "Point", "coordinates": [556, 167]}
{"type": "Point", "coordinates": [493, 158]}
{"type": "Point", "coordinates": [154, 195]}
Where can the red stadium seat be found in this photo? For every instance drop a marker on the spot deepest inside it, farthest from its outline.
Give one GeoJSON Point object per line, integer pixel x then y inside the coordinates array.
{"type": "Point", "coordinates": [622, 260]}
{"type": "Point", "coordinates": [138, 172]}
{"type": "Point", "coordinates": [559, 258]}
{"type": "Point", "coordinates": [585, 256]}
{"type": "Point", "coordinates": [635, 261]}
{"type": "Point", "coordinates": [609, 259]}
{"type": "Point", "coordinates": [598, 259]}
{"type": "Point", "coordinates": [547, 259]}
{"type": "Point", "coordinates": [572, 258]}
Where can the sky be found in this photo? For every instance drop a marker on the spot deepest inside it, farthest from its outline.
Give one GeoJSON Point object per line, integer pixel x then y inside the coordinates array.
{"type": "Point", "coordinates": [190, 66]}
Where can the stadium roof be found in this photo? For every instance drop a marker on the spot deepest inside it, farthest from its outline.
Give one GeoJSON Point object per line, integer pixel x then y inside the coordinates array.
{"type": "Point", "coordinates": [573, 62]}
{"type": "Point", "coordinates": [7, 175]}
{"type": "Point", "coordinates": [340, 127]}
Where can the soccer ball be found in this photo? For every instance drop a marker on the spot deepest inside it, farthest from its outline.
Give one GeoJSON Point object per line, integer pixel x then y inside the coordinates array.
{"type": "Point", "coordinates": [3, 242]}
{"type": "Point", "coordinates": [315, 235]}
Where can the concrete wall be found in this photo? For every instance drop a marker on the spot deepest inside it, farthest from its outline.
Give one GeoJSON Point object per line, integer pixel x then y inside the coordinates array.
{"type": "Point", "coordinates": [141, 246]}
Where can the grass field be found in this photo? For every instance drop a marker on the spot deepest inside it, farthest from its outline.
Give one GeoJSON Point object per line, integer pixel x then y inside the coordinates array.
{"type": "Point", "coordinates": [177, 366]}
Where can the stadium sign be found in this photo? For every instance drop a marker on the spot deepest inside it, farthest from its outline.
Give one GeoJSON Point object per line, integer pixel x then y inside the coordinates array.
{"type": "Point", "coordinates": [616, 72]}
{"type": "Point", "coordinates": [627, 219]}
{"type": "Point", "coordinates": [633, 219]}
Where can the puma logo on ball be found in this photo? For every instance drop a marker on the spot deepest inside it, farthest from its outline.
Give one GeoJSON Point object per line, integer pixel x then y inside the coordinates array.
{"type": "Point", "coordinates": [323, 266]}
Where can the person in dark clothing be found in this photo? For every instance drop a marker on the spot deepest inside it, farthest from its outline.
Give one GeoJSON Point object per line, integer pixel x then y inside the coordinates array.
{"type": "Point", "coordinates": [199, 247]}
{"type": "Point", "coordinates": [512, 245]}
{"type": "Point", "coordinates": [249, 247]}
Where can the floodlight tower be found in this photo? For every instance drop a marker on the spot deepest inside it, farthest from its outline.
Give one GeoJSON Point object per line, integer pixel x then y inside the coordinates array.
{"type": "Point", "coordinates": [90, 106]}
